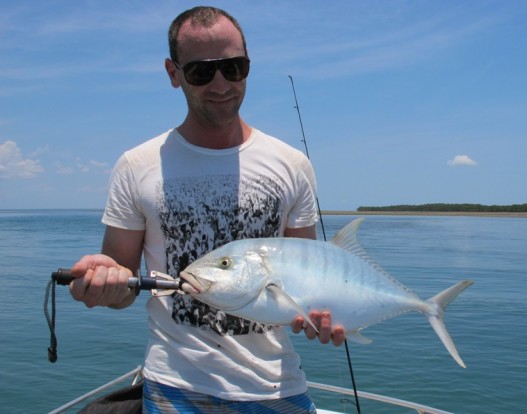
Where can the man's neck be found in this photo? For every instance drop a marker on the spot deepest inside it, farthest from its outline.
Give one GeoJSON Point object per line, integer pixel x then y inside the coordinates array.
{"type": "Point", "coordinates": [217, 137]}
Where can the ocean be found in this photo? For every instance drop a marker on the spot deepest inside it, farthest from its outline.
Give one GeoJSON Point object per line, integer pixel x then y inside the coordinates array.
{"type": "Point", "coordinates": [406, 360]}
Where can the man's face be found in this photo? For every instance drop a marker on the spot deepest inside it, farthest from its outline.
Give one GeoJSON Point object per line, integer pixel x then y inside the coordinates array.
{"type": "Point", "coordinates": [217, 103]}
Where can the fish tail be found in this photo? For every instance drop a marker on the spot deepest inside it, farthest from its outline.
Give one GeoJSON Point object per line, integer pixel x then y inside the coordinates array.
{"type": "Point", "coordinates": [435, 316]}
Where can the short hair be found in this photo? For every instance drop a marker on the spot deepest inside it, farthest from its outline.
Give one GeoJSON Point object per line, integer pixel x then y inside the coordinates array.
{"type": "Point", "coordinates": [204, 16]}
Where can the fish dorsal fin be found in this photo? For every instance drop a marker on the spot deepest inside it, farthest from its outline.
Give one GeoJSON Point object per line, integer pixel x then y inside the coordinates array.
{"type": "Point", "coordinates": [346, 237]}
{"type": "Point", "coordinates": [282, 296]}
{"type": "Point", "coordinates": [348, 240]}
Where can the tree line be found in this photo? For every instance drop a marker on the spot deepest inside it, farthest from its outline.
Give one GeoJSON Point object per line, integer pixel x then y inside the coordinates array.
{"type": "Point", "coordinates": [476, 208]}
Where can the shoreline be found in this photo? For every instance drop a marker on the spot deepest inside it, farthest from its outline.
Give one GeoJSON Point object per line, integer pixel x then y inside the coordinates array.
{"type": "Point", "coordinates": [423, 213]}
{"type": "Point", "coordinates": [324, 212]}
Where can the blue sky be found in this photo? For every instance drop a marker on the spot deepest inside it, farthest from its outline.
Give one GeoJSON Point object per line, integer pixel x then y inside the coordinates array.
{"type": "Point", "coordinates": [402, 102]}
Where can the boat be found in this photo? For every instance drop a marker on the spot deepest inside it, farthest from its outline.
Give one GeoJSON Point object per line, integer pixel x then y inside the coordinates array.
{"type": "Point", "coordinates": [134, 377]}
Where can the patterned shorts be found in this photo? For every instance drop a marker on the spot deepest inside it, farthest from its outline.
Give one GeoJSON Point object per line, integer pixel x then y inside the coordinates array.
{"type": "Point", "coordinates": [163, 399]}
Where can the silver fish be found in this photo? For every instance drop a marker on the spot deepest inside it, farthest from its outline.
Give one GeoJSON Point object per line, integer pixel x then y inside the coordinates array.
{"type": "Point", "coordinates": [273, 280]}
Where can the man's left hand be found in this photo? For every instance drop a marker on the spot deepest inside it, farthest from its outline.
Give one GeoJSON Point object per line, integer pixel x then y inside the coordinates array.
{"type": "Point", "coordinates": [322, 320]}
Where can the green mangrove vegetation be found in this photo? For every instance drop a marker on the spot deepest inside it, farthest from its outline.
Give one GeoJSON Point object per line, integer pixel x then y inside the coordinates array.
{"type": "Point", "coordinates": [445, 207]}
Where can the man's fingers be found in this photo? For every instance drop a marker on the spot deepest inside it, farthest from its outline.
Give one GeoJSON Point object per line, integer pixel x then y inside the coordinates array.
{"type": "Point", "coordinates": [324, 327]}
{"type": "Point", "coordinates": [298, 324]}
{"type": "Point", "coordinates": [311, 333]}
{"type": "Point", "coordinates": [322, 320]}
{"type": "Point", "coordinates": [79, 286]}
{"type": "Point", "coordinates": [102, 286]}
{"type": "Point", "coordinates": [91, 262]}
{"type": "Point", "coordinates": [338, 336]}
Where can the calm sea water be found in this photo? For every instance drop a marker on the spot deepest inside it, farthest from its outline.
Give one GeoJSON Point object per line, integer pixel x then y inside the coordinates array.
{"type": "Point", "coordinates": [406, 360]}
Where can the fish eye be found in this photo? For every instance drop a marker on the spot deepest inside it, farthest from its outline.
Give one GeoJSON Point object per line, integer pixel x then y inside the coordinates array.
{"type": "Point", "coordinates": [225, 262]}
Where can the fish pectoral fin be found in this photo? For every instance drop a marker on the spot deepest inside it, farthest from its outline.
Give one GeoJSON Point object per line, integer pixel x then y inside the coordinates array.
{"type": "Point", "coordinates": [284, 297]}
{"type": "Point", "coordinates": [356, 336]}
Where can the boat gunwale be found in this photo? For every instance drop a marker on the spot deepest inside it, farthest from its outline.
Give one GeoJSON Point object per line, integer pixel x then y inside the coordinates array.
{"type": "Point", "coordinates": [419, 408]}
{"type": "Point", "coordinates": [136, 375]}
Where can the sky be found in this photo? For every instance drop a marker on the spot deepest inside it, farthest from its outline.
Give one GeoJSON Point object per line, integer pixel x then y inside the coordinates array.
{"type": "Point", "coordinates": [401, 101]}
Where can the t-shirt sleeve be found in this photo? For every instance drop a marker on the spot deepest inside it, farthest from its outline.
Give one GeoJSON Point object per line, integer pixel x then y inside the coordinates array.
{"type": "Point", "coordinates": [122, 206]}
{"type": "Point", "coordinates": [304, 211]}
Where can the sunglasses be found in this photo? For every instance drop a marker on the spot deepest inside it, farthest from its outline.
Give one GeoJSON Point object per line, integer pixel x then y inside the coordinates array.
{"type": "Point", "coordinates": [201, 72]}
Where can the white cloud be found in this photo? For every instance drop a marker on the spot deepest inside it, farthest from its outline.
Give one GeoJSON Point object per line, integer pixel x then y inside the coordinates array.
{"type": "Point", "coordinates": [13, 164]}
{"type": "Point", "coordinates": [461, 160]}
{"type": "Point", "coordinates": [82, 166]}
{"type": "Point", "coordinates": [85, 168]}
{"type": "Point", "coordinates": [63, 169]}
{"type": "Point", "coordinates": [99, 164]}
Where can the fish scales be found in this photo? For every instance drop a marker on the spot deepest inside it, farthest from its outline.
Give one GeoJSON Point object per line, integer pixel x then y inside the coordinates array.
{"type": "Point", "coordinates": [319, 276]}
{"type": "Point", "coordinates": [273, 280]}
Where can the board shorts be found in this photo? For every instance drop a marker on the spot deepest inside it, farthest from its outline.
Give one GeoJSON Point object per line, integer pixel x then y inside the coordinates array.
{"type": "Point", "coordinates": [163, 399]}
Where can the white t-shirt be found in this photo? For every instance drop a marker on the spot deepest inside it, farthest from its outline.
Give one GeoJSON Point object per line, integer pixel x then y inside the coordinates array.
{"type": "Point", "coordinates": [190, 200]}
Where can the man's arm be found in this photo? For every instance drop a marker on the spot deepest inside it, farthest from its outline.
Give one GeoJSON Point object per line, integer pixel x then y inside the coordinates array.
{"type": "Point", "coordinates": [309, 232]}
{"type": "Point", "coordinates": [124, 246]}
{"type": "Point", "coordinates": [102, 279]}
{"type": "Point", "coordinates": [322, 320]}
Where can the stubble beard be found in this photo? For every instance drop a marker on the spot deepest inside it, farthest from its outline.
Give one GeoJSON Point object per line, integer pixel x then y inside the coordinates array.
{"type": "Point", "coordinates": [218, 117]}
{"type": "Point", "coordinates": [208, 112]}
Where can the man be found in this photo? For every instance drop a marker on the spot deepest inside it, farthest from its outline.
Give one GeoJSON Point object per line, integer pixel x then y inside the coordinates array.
{"type": "Point", "coordinates": [211, 180]}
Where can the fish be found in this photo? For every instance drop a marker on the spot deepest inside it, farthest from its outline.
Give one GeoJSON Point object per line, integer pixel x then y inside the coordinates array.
{"type": "Point", "coordinates": [274, 280]}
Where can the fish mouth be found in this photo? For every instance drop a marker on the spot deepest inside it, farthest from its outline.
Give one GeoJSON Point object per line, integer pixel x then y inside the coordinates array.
{"type": "Point", "coordinates": [193, 285]}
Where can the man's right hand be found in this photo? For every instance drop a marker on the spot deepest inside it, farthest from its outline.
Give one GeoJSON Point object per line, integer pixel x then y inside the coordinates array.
{"type": "Point", "coordinates": [101, 281]}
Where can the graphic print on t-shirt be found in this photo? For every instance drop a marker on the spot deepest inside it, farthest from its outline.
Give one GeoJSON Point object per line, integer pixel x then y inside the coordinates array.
{"type": "Point", "coordinates": [199, 214]}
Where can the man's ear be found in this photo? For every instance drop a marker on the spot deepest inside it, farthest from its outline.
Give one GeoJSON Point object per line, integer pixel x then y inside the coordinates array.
{"type": "Point", "coordinates": [172, 72]}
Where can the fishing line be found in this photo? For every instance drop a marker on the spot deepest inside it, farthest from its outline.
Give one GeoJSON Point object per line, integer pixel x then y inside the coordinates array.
{"type": "Point", "coordinates": [325, 239]}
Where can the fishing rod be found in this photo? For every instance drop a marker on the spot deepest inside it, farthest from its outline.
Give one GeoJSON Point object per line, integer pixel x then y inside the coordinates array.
{"type": "Point", "coordinates": [159, 284]}
{"type": "Point", "coordinates": [307, 154]}
{"type": "Point", "coordinates": [357, 405]}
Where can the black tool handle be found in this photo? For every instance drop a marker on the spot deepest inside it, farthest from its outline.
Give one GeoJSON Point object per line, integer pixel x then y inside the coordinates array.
{"type": "Point", "coordinates": [62, 276]}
